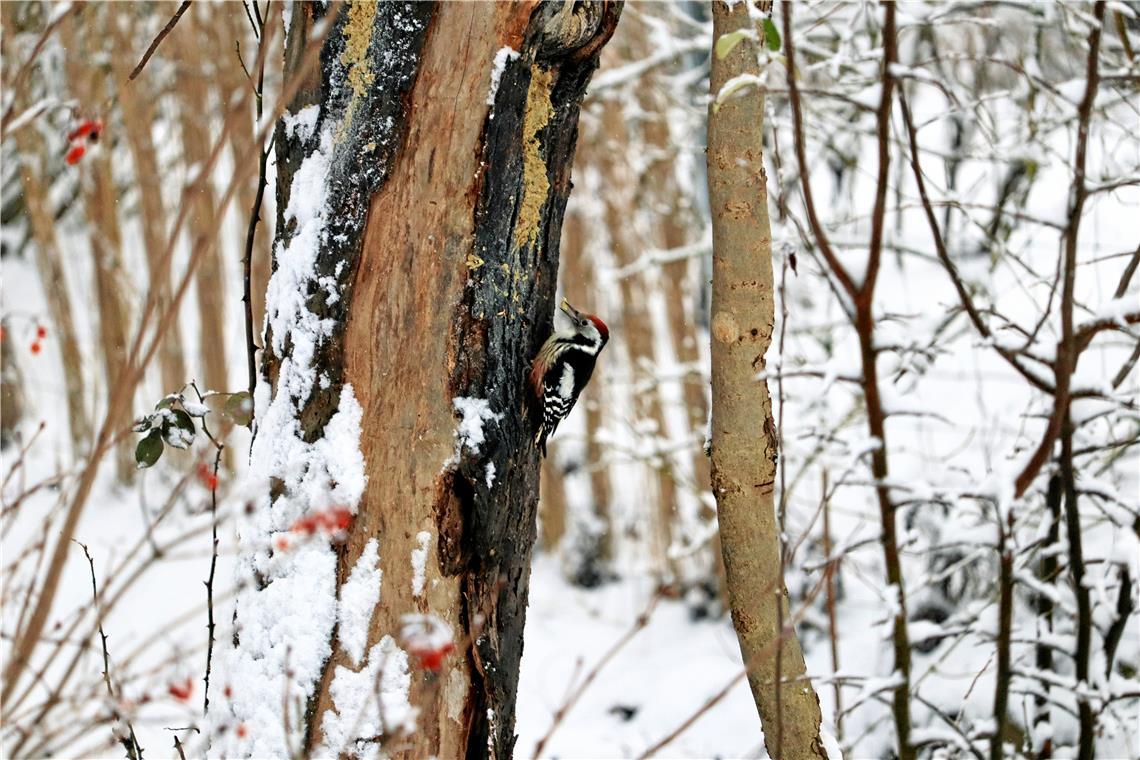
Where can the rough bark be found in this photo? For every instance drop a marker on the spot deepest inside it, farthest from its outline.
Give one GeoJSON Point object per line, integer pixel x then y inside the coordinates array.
{"type": "Point", "coordinates": [443, 254]}
{"type": "Point", "coordinates": [744, 441]}
{"type": "Point", "coordinates": [11, 390]}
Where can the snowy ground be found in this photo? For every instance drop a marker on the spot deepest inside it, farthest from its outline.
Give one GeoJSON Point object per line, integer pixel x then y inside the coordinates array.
{"type": "Point", "coordinates": [651, 686]}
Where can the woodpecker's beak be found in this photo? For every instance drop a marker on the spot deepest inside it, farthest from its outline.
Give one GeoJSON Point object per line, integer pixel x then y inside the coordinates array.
{"type": "Point", "coordinates": [568, 309]}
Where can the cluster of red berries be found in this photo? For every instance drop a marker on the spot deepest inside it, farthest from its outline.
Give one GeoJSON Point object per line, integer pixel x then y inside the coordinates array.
{"type": "Point", "coordinates": [427, 638]}
{"type": "Point", "coordinates": [181, 690]}
{"type": "Point", "coordinates": [333, 522]}
{"type": "Point", "coordinates": [207, 477]}
{"type": "Point", "coordinates": [87, 132]}
{"type": "Point", "coordinates": [37, 345]}
{"type": "Point", "coordinates": [431, 659]}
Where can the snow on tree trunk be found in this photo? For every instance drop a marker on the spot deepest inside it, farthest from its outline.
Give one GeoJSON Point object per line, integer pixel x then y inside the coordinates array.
{"type": "Point", "coordinates": [744, 441]}
{"type": "Point", "coordinates": [414, 273]}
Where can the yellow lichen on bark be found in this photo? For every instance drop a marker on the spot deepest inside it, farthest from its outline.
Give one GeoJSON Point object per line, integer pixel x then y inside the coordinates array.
{"type": "Point", "coordinates": [536, 185]}
{"type": "Point", "coordinates": [357, 36]}
{"type": "Point", "coordinates": [357, 33]}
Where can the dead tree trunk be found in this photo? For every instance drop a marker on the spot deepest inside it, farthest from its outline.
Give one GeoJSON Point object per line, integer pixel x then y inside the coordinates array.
{"type": "Point", "coordinates": [744, 442]}
{"type": "Point", "coordinates": [420, 227]}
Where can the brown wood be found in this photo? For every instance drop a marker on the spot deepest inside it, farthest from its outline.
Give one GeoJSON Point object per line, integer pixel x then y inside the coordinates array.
{"type": "Point", "coordinates": [49, 261]}
{"type": "Point", "coordinates": [744, 440]}
{"type": "Point", "coordinates": [137, 101]}
{"type": "Point", "coordinates": [89, 84]}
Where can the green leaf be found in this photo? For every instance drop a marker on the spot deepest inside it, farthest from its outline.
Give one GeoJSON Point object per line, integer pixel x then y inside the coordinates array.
{"type": "Point", "coordinates": [178, 430]}
{"type": "Point", "coordinates": [771, 35]}
{"type": "Point", "coordinates": [239, 407]}
{"type": "Point", "coordinates": [726, 42]}
{"type": "Point", "coordinates": [148, 450]}
{"type": "Point", "coordinates": [167, 402]}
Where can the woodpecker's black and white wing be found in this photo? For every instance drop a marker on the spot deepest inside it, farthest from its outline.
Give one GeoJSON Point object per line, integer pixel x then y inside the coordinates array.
{"type": "Point", "coordinates": [561, 385]}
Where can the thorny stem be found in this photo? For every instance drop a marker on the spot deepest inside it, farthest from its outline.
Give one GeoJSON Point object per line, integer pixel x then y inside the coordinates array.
{"type": "Point", "coordinates": [1005, 625]}
{"type": "Point", "coordinates": [1047, 574]}
{"type": "Point", "coordinates": [254, 213]}
{"type": "Point", "coordinates": [948, 264]}
{"type": "Point", "coordinates": [1124, 609]}
{"type": "Point", "coordinates": [837, 269]}
{"type": "Point", "coordinates": [832, 624]}
{"type": "Point", "coordinates": [1084, 606]}
{"type": "Point", "coordinates": [158, 40]}
{"type": "Point", "coordinates": [130, 742]}
{"type": "Point", "coordinates": [209, 582]}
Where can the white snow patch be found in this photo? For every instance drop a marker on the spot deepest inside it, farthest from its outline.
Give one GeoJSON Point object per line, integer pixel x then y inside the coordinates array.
{"type": "Point", "coordinates": [287, 609]}
{"type": "Point", "coordinates": [302, 123]}
{"type": "Point", "coordinates": [370, 702]}
{"type": "Point", "coordinates": [473, 413]}
{"type": "Point", "coordinates": [358, 598]}
{"type": "Point", "coordinates": [490, 474]}
{"type": "Point", "coordinates": [504, 55]}
{"type": "Point", "coordinates": [419, 562]}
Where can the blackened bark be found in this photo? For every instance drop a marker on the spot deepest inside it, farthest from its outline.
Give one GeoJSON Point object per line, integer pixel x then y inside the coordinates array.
{"type": "Point", "coordinates": [371, 119]}
{"type": "Point", "coordinates": [529, 141]}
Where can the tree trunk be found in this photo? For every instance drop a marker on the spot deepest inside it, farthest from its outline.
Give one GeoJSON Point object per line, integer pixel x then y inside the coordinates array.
{"type": "Point", "coordinates": [744, 443]}
{"type": "Point", "coordinates": [421, 229]}
{"type": "Point", "coordinates": [52, 271]}
{"type": "Point", "coordinates": [203, 224]}
{"type": "Point", "coordinates": [137, 100]}
{"type": "Point", "coordinates": [88, 84]}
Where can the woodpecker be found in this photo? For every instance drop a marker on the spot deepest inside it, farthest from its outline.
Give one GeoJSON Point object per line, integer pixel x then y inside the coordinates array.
{"type": "Point", "coordinates": [563, 367]}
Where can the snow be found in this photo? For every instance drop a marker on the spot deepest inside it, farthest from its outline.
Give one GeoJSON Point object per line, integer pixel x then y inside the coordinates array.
{"type": "Point", "coordinates": [359, 596]}
{"type": "Point", "coordinates": [301, 124]}
{"type": "Point", "coordinates": [424, 633]}
{"type": "Point", "coordinates": [287, 608]}
{"type": "Point", "coordinates": [369, 702]}
{"type": "Point", "coordinates": [194, 408]}
{"type": "Point", "coordinates": [419, 562]}
{"type": "Point", "coordinates": [473, 412]}
{"type": "Point", "coordinates": [505, 55]}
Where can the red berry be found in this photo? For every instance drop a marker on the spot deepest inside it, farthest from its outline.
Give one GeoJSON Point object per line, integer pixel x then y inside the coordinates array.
{"type": "Point", "coordinates": [41, 331]}
{"type": "Point", "coordinates": [228, 691]}
{"type": "Point", "coordinates": [181, 691]}
{"type": "Point", "coordinates": [89, 128]}
{"type": "Point", "coordinates": [75, 154]}
{"type": "Point", "coordinates": [432, 659]}
{"type": "Point", "coordinates": [242, 731]}
{"type": "Point", "coordinates": [35, 347]}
